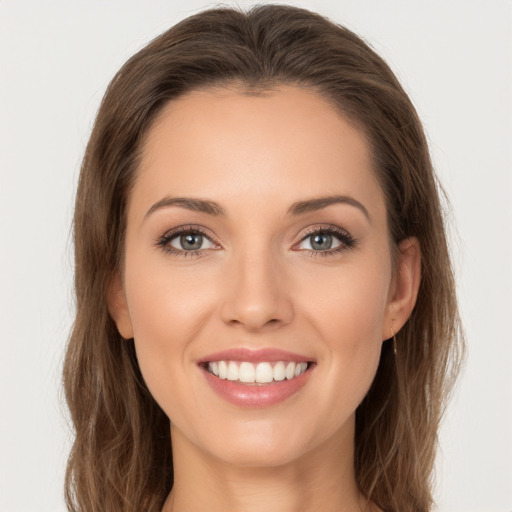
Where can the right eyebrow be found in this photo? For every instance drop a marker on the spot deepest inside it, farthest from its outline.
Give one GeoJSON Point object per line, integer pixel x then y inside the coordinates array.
{"type": "Point", "coordinates": [196, 205]}
{"type": "Point", "coordinates": [318, 203]}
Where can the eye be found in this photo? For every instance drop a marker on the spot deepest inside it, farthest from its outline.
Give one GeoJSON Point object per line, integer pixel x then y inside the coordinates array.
{"type": "Point", "coordinates": [191, 241]}
{"type": "Point", "coordinates": [320, 241]}
{"type": "Point", "coordinates": [185, 241]}
{"type": "Point", "coordinates": [326, 241]}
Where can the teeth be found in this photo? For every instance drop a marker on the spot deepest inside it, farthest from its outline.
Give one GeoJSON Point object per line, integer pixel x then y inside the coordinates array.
{"type": "Point", "coordinates": [232, 371]}
{"type": "Point", "coordinates": [279, 371]}
{"type": "Point", "coordinates": [264, 373]}
{"type": "Point", "coordinates": [246, 372]}
{"type": "Point", "coordinates": [261, 373]}
{"type": "Point", "coordinates": [223, 369]}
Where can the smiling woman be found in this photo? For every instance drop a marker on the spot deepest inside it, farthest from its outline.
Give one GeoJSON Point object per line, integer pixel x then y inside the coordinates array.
{"type": "Point", "coordinates": [266, 317]}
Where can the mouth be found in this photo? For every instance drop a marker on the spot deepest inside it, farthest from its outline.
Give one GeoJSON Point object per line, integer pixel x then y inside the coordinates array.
{"type": "Point", "coordinates": [264, 372]}
{"type": "Point", "coordinates": [256, 378]}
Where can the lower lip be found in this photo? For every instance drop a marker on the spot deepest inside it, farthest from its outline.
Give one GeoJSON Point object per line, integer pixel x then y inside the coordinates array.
{"type": "Point", "coordinates": [256, 395]}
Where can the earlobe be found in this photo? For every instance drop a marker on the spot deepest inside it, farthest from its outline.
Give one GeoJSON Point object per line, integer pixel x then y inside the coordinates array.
{"type": "Point", "coordinates": [118, 307]}
{"type": "Point", "coordinates": [406, 285]}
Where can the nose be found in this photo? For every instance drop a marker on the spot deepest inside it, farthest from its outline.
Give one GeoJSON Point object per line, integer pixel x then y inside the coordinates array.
{"type": "Point", "coordinates": [257, 296]}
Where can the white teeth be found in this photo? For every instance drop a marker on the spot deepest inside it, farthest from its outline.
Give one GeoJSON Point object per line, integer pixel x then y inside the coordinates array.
{"type": "Point", "coordinates": [232, 371]}
{"type": "Point", "coordinates": [279, 371]}
{"type": "Point", "coordinates": [261, 373]}
{"type": "Point", "coordinates": [300, 368]}
{"type": "Point", "coordinates": [246, 372]}
{"type": "Point", "coordinates": [290, 371]}
{"type": "Point", "coordinates": [264, 373]}
{"type": "Point", "coordinates": [223, 370]}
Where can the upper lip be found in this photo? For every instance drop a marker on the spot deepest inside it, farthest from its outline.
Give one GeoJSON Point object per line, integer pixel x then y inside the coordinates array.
{"type": "Point", "coordinates": [255, 356]}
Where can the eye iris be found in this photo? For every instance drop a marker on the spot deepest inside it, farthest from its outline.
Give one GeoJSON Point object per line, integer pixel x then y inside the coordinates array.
{"type": "Point", "coordinates": [191, 241]}
{"type": "Point", "coordinates": [321, 241]}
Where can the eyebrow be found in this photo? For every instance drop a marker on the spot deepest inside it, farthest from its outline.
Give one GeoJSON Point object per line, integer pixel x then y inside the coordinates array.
{"type": "Point", "coordinates": [297, 208]}
{"type": "Point", "coordinates": [312, 205]}
{"type": "Point", "coordinates": [196, 205]}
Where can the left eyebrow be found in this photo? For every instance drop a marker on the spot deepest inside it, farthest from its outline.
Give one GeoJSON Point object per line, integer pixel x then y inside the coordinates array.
{"type": "Point", "coordinates": [313, 205]}
{"type": "Point", "coordinates": [197, 205]}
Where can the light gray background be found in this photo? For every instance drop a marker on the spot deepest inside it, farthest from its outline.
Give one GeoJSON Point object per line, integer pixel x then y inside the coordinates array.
{"type": "Point", "coordinates": [56, 58]}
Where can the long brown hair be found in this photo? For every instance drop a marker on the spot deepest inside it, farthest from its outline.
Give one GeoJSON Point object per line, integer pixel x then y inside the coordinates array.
{"type": "Point", "coordinates": [121, 458]}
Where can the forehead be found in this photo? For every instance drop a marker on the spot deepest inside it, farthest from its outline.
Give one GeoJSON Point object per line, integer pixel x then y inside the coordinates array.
{"type": "Point", "coordinates": [276, 146]}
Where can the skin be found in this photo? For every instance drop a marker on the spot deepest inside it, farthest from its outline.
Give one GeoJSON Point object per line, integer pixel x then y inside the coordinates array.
{"type": "Point", "coordinates": [259, 284]}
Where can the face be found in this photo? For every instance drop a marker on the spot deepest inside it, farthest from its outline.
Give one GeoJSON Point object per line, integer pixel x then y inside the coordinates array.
{"type": "Point", "coordinates": [257, 282]}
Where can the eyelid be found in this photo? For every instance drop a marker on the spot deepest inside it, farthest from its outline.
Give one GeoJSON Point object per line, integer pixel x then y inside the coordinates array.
{"type": "Point", "coordinates": [163, 241]}
{"type": "Point", "coordinates": [190, 228]}
{"type": "Point", "coordinates": [347, 241]}
{"type": "Point", "coordinates": [323, 227]}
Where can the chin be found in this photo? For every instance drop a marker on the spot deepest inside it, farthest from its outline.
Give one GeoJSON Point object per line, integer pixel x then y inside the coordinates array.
{"type": "Point", "coordinates": [260, 455]}
{"type": "Point", "coordinates": [267, 443]}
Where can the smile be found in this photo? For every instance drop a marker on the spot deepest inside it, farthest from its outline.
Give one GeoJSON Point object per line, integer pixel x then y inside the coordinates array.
{"type": "Point", "coordinates": [256, 378]}
{"type": "Point", "coordinates": [256, 373]}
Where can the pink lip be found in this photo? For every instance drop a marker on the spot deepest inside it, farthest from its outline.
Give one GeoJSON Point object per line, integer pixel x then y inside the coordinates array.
{"type": "Point", "coordinates": [270, 355]}
{"type": "Point", "coordinates": [255, 395]}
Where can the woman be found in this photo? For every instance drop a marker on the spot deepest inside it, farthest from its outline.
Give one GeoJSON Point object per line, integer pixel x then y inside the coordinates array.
{"type": "Point", "coordinates": [266, 315]}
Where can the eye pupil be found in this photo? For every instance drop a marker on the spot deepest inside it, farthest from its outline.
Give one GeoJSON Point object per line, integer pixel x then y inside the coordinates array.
{"type": "Point", "coordinates": [191, 241]}
{"type": "Point", "coordinates": [321, 241]}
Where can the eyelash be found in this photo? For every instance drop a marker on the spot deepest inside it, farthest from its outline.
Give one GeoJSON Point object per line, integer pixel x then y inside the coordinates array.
{"type": "Point", "coordinates": [347, 241]}
{"type": "Point", "coordinates": [164, 241]}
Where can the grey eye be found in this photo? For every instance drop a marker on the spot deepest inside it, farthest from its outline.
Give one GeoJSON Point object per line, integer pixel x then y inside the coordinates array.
{"type": "Point", "coordinates": [320, 241]}
{"type": "Point", "coordinates": [191, 242]}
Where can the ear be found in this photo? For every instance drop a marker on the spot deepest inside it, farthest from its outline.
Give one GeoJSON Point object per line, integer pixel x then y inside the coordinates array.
{"type": "Point", "coordinates": [404, 287]}
{"type": "Point", "coordinates": [118, 307]}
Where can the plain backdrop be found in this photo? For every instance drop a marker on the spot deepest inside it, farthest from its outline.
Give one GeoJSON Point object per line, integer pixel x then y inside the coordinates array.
{"type": "Point", "coordinates": [56, 59]}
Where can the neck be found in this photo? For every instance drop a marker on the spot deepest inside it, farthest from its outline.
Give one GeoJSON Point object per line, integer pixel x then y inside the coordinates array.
{"type": "Point", "coordinates": [326, 477]}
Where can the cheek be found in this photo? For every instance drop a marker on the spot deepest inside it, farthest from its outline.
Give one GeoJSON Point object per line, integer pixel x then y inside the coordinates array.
{"type": "Point", "coordinates": [167, 312]}
{"type": "Point", "coordinates": [165, 303]}
{"type": "Point", "coordinates": [169, 308]}
{"type": "Point", "coordinates": [352, 304]}
{"type": "Point", "coordinates": [349, 320]}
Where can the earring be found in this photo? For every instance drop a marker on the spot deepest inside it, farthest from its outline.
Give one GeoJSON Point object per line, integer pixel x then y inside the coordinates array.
{"type": "Point", "coordinates": [394, 341]}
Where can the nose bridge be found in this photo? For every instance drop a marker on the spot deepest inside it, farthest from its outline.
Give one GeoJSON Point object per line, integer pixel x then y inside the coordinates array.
{"type": "Point", "coordinates": [257, 294]}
